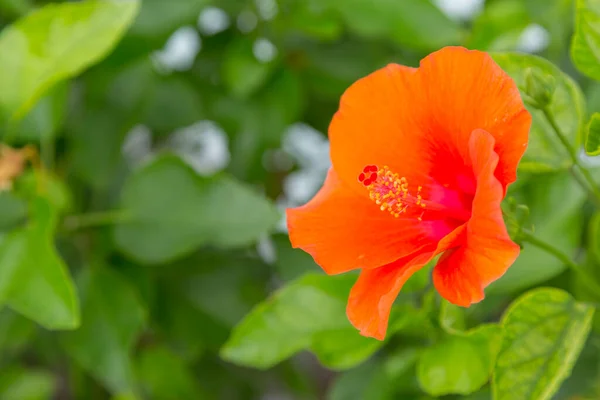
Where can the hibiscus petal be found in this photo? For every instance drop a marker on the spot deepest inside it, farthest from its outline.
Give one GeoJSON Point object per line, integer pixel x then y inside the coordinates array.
{"type": "Point", "coordinates": [373, 294]}
{"type": "Point", "coordinates": [375, 291]}
{"type": "Point", "coordinates": [343, 230]}
{"type": "Point", "coordinates": [466, 90]}
{"type": "Point", "coordinates": [462, 273]}
{"type": "Point", "coordinates": [377, 124]}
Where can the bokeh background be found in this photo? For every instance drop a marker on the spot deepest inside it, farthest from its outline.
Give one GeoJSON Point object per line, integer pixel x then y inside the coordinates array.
{"type": "Point", "coordinates": [208, 119]}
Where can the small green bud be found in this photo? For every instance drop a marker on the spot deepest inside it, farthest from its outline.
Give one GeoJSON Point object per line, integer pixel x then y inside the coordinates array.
{"type": "Point", "coordinates": [516, 218]}
{"type": "Point", "coordinates": [539, 87]}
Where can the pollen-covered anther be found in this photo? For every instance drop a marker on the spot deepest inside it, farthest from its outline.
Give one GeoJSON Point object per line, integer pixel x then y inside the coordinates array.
{"type": "Point", "coordinates": [390, 191]}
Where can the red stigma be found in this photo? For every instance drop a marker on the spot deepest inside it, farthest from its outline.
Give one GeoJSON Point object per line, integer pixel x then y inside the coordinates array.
{"type": "Point", "coordinates": [368, 175]}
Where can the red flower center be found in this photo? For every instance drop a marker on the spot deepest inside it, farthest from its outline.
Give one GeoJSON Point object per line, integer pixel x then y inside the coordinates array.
{"type": "Point", "coordinates": [390, 191]}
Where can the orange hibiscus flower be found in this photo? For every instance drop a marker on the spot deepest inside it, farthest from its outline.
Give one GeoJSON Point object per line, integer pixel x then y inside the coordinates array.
{"type": "Point", "coordinates": [421, 159]}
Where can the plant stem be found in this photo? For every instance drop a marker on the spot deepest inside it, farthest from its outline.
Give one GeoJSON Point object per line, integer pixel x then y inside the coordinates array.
{"type": "Point", "coordinates": [592, 186]}
{"type": "Point", "coordinates": [583, 183]}
{"type": "Point", "coordinates": [588, 279]}
{"type": "Point", "coordinates": [95, 219]}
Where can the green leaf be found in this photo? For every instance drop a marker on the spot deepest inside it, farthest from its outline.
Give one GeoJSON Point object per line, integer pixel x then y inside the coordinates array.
{"type": "Point", "coordinates": [46, 185]}
{"type": "Point", "coordinates": [26, 384]}
{"type": "Point", "coordinates": [242, 72]}
{"type": "Point", "coordinates": [15, 332]}
{"type": "Point", "coordinates": [342, 348]}
{"type": "Point", "coordinates": [96, 137]}
{"type": "Point", "coordinates": [544, 151]}
{"type": "Point", "coordinates": [315, 22]}
{"type": "Point", "coordinates": [291, 263]}
{"type": "Point", "coordinates": [165, 376]}
{"type": "Point", "coordinates": [187, 328]}
{"type": "Point", "coordinates": [310, 314]}
{"type": "Point", "coordinates": [263, 119]}
{"type": "Point", "coordinates": [125, 396]}
{"type": "Point", "coordinates": [368, 381]}
{"type": "Point", "coordinates": [462, 361]}
{"type": "Point", "coordinates": [459, 363]}
{"type": "Point", "coordinates": [225, 288]}
{"type": "Point", "coordinates": [34, 280]}
{"type": "Point", "coordinates": [285, 324]}
{"type": "Point", "coordinates": [329, 74]}
{"type": "Point", "coordinates": [112, 318]}
{"type": "Point", "coordinates": [499, 26]}
{"type": "Point", "coordinates": [583, 382]}
{"type": "Point", "coordinates": [452, 317]}
{"type": "Point", "coordinates": [400, 365]}
{"type": "Point", "coordinates": [392, 377]}
{"type": "Point", "coordinates": [407, 23]}
{"type": "Point", "coordinates": [555, 202]}
{"type": "Point", "coordinates": [115, 101]}
{"type": "Point", "coordinates": [13, 210]}
{"type": "Point", "coordinates": [159, 19]}
{"type": "Point", "coordinates": [556, 16]}
{"type": "Point", "coordinates": [592, 94]}
{"type": "Point", "coordinates": [579, 287]}
{"type": "Point", "coordinates": [585, 47]}
{"type": "Point", "coordinates": [279, 105]}
{"type": "Point", "coordinates": [594, 236]}
{"type": "Point", "coordinates": [204, 296]}
{"type": "Point", "coordinates": [15, 8]}
{"type": "Point", "coordinates": [173, 211]}
{"type": "Point", "coordinates": [483, 394]}
{"type": "Point", "coordinates": [174, 104]}
{"type": "Point", "coordinates": [545, 330]}
{"type": "Point", "coordinates": [45, 119]}
{"type": "Point", "coordinates": [55, 43]}
{"type": "Point", "coordinates": [306, 314]}
{"type": "Point", "coordinates": [592, 136]}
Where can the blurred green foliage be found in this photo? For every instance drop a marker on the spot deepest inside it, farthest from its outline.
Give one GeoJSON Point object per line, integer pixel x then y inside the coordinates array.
{"type": "Point", "coordinates": [142, 248]}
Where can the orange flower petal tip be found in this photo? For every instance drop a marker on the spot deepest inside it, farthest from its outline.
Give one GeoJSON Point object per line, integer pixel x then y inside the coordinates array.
{"type": "Point", "coordinates": [422, 158]}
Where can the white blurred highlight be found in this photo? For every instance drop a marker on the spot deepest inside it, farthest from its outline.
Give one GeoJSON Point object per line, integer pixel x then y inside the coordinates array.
{"type": "Point", "coordinates": [534, 39]}
{"type": "Point", "coordinates": [180, 51]}
{"type": "Point", "coordinates": [310, 151]}
{"type": "Point", "coordinates": [267, 9]}
{"type": "Point", "coordinates": [460, 9]}
{"type": "Point", "coordinates": [213, 20]}
{"type": "Point", "coordinates": [203, 145]}
{"type": "Point", "coordinates": [137, 146]}
{"type": "Point", "coordinates": [264, 50]}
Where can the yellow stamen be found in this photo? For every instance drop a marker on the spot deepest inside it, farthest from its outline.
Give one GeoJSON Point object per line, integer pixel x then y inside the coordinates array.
{"type": "Point", "coordinates": [390, 191]}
